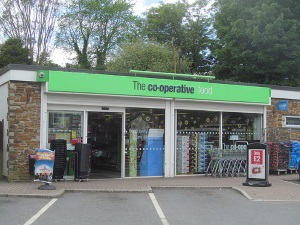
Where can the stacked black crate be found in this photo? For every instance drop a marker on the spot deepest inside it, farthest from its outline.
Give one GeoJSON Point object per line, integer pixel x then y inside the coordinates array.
{"type": "Point", "coordinates": [60, 148]}
{"type": "Point", "coordinates": [284, 155]}
{"type": "Point", "coordinates": [273, 151]}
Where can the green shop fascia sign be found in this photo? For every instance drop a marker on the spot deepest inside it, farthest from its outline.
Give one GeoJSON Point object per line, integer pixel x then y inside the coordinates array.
{"type": "Point", "coordinates": [75, 82]}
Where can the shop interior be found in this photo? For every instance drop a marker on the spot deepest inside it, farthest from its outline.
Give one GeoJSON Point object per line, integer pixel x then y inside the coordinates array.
{"type": "Point", "coordinates": [144, 142]}
{"type": "Point", "coordinates": [198, 135]}
{"type": "Point", "coordinates": [105, 138]}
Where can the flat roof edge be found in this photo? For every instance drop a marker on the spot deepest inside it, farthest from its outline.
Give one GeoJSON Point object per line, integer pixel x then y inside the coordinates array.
{"type": "Point", "coordinates": [63, 69]}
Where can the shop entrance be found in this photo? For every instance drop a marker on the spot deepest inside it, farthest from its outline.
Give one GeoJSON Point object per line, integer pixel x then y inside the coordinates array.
{"type": "Point", "coordinates": [105, 138]}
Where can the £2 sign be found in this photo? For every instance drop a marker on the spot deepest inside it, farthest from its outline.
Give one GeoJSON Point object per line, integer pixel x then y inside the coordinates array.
{"type": "Point", "coordinates": [257, 157]}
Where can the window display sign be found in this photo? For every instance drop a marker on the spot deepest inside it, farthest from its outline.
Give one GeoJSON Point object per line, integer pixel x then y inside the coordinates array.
{"type": "Point", "coordinates": [151, 163]}
{"type": "Point", "coordinates": [133, 153]}
{"type": "Point", "coordinates": [257, 165]}
{"type": "Point", "coordinates": [65, 125]}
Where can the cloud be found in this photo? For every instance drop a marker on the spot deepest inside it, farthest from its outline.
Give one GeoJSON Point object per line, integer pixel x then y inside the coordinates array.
{"type": "Point", "coordinates": [143, 5]}
{"type": "Point", "coordinates": [59, 57]}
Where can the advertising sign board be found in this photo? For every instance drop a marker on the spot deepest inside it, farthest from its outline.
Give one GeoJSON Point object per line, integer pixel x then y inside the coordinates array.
{"type": "Point", "coordinates": [44, 163]}
{"type": "Point", "coordinates": [257, 165]}
{"type": "Point", "coordinates": [43, 168]}
{"type": "Point", "coordinates": [108, 84]}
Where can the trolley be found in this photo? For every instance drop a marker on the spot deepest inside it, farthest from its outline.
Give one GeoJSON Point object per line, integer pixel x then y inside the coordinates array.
{"type": "Point", "coordinates": [226, 163]}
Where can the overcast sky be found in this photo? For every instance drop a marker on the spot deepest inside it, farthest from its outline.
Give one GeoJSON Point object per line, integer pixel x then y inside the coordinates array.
{"type": "Point", "coordinates": [140, 6]}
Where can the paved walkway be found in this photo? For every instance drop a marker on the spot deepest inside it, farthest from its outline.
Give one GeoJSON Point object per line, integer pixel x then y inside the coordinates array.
{"type": "Point", "coordinates": [283, 188]}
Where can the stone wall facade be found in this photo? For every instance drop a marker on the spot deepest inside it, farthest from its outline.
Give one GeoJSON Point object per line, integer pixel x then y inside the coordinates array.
{"type": "Point", "coordinates": [24, 107]}
{"type": "Point", "coordinates": [275, 130]}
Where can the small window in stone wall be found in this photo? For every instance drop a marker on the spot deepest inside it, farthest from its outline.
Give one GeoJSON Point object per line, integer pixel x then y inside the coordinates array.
{"type": "Point", "coordinates": [291, 121]}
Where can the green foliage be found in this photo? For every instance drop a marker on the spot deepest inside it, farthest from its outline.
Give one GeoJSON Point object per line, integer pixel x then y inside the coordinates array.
{"type": "Point", "coordinates": [166, 22]}
{"type": "Point", "coordinates": [258, 41]}
{"type": "Point", "coordinates": [93, 28]}
{"type": "Point", "coordinates": [186, 28]}
{"type": "Point", "coordinates": [149, 56]}
{"type": "Point", "coordinates": [13, 52]}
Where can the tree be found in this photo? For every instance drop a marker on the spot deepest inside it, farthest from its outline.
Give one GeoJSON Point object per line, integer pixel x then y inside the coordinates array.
{"type": "Point", "coordinates": [258, 41]}
{"type": "Point", "coordinates": [166, 22]}
{"type": "Point", "coordinates": [183, 25]}
{"type": "Point", "coordinates": [199, 38]}
{"type": "Point", "coordinates": [13, 52]}
{"type": "Point", "coordinates": [32, 21]}
{"type": "Point", "coordinates": [93, 28]}
{"type": "Point", "coordinates": [144, 56]}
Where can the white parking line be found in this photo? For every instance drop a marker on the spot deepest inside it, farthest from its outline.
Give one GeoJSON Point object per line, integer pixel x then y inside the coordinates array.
{"type": "Point", "coordinates": [34, 218]}
{"type": "Point", "coordinates": [158, 210]}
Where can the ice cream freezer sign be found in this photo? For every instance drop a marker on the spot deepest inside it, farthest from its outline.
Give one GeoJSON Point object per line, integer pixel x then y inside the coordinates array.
{"type": "Point", "coordinates": [44, 164]}
{"type": "Point", "coordinates": [256, 163]}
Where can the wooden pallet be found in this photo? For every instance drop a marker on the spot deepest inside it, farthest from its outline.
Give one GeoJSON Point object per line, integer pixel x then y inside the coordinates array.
{"type": "Point", "coordinates": [291, 171]}
{"type": "Point", "coordinates": [278, 171]}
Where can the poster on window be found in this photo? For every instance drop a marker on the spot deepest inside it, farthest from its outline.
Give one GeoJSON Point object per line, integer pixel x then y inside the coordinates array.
{"type": "Point", "coordinates": [257, 167]}
{"type": "Point", "coordinates": [132, 153]}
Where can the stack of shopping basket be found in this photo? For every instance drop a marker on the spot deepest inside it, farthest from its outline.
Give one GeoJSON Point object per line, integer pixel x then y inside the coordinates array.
{"type": "Point", "coordinates": [60, 148]}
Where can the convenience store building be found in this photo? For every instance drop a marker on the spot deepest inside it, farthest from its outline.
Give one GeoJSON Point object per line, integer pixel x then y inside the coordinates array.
{"type": "Point", "coordinates": [138, 124]}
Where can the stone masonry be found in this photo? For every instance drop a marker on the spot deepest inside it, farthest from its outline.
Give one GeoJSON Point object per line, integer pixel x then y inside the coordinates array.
{"type": "Point", "coordinates": [275, 131]}
{"type": "Point", "coordinates": [24, 104]}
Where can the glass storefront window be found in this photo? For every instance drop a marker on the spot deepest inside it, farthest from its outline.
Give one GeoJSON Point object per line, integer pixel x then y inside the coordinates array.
{"type": "Point", "coordinates": [65, 125]}
{"type": "Point", "coordinates": [197, 134]}
{"type": "Point", "coordinates": [144, 144]}
{"type": "Point", "coordinates": [240, 129]}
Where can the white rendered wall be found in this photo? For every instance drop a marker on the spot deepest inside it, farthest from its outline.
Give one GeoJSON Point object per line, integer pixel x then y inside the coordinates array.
{"type": "Point", "coordinates": [285, 94]}
{"type": "Point", "coordinates": [3, 116]}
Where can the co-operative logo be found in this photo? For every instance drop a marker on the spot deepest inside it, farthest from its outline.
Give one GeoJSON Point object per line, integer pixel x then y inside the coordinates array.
{"type": "Point", "coordinates": [165, 88]}
{"type": "Point", "coordinates": [205, 90]}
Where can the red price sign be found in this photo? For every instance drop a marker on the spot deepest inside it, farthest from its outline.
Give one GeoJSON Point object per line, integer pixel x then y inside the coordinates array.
{"type": "Point", "coordinates": [257, 157]}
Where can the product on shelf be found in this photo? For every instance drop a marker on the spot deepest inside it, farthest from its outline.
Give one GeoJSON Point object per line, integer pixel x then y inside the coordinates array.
{"type": "Point", "coordinates": [279, 155]}
{"type": "Point", "coordinates": [192, 153]}
{"type": "Point", "coordinates": [294, 155]}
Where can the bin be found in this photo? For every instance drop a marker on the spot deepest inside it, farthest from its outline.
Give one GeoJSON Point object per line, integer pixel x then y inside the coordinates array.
{"type": "Point", "coordinates": [82, 161]}
{"type": "Point", "coordinates": [31, 159]}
